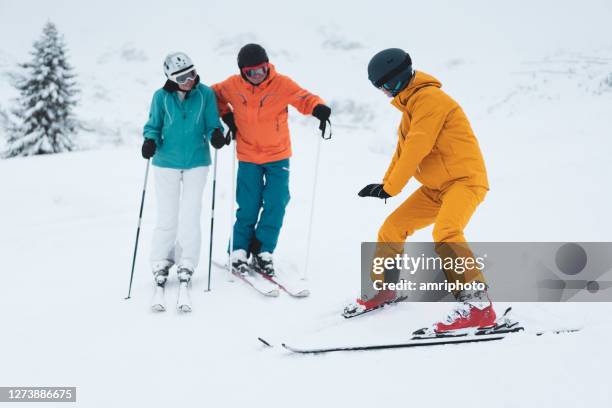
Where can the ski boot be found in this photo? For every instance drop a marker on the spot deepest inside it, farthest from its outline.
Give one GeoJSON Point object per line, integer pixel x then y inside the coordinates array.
{"type": "Point", "coordinates": [183, 301]}
{"type": "Point", "coordinates": [263, 264]}
{"type": "Point", "coordinates": [240, 264]}
{"type": "Point", "coordinates": [361, 306]}
{"type": "Point", "coordinates": [160, 276]}
{"type": "Point", "coordinates": [474, 312]}
{"type": "Point", "coordinates": [160, 273]}
{"type": "Point", "coordinates": [184, 274]}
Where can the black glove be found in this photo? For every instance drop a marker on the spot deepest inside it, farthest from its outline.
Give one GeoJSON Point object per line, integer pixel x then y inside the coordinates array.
{"type": "Point", "coordinates": [321, 112]}
{"type": "Point", "coordinates": [374, 190]}
{"type": "Point", "coordinates": [228, 119]}
{"type": "Point", "coordinates": [218, 140]}
{"type": "Point", "coordinates": [148, 148]}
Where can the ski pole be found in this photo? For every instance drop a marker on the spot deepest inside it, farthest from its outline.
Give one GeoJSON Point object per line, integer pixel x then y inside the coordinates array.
{"type": "Point", "coordinates": [144, 190]}
{"type": "Point", "coordinates": [212, 220]}
{"type": "Point", "coordinates": [314, 195]}
{"type": "Point", "coordinates": [233, 198]}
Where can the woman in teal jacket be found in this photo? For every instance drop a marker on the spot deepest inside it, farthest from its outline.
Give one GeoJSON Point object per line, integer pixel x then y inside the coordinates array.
{"type": "Point", "coordinates": [182, 120]}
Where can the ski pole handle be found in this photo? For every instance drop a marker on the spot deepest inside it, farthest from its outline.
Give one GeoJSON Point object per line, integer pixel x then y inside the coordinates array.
{"type": "Point", "coordinates": [322, 127]}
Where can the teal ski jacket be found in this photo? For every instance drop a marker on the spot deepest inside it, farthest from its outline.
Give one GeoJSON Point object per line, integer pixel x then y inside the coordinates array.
{"type": "Point", "coordinates": [182, 129]}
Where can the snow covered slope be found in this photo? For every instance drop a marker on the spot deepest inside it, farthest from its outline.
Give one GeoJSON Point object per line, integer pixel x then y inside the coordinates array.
{"type": "Point", "coordinates": [533, 78]}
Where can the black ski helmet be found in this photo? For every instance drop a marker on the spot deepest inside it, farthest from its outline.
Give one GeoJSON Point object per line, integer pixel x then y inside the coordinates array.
{"type": "Point", "coordinates": [251, 55]}
{"type": "Point", "coordinates": [392, 68]}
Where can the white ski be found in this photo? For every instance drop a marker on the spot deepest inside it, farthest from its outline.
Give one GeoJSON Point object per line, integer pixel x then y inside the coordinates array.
{"type": "Point", "coordinates": [183, 301]}
{"type": "Point", "coordinates": [158, 304]}
{"type": "Point", "coordinates": [504, 327]}
{"type": "Point", "coordinates": [260, 285]}
{"type": "Point", "coordinates": [291, 286]}
{"type": "Point", "coordinates": [254, 280]}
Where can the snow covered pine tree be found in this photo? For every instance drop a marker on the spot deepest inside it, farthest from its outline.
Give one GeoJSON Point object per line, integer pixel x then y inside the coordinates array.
{"type": "Point", "coordinates": [44, 120]}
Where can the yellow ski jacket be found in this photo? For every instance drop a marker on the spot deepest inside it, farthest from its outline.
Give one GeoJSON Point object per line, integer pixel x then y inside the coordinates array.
{"type": "Point", "coordinates": [436, 144]}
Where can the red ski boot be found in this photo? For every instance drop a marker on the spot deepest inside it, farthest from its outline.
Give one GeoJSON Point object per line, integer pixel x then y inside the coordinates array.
{"type": "Point", "coordinates": [467, 315]}
{"type": "Point", "coordinates": [475, 311]}
{"type": "Point", "coordinates": [361, 306]}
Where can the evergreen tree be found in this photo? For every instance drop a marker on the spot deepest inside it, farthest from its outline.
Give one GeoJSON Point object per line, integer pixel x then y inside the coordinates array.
{"type": "Point", "coordinates": [4, 119]}
{"type": "Point", "coordinates": [44, 120]}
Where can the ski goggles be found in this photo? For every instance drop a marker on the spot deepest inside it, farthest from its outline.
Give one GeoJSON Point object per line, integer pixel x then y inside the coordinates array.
{"type": "Point", "coordinates": [182, 77]}
{"type": "Point", "coordinates": [257, 71]}
{"type": "Point", "coordinates": [393, 87]}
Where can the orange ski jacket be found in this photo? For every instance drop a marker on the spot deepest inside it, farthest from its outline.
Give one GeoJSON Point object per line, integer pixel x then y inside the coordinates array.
{"type": "Point", "coordinates": [261, 114]}
{"type": "Point", "coordinates": [436, 144]}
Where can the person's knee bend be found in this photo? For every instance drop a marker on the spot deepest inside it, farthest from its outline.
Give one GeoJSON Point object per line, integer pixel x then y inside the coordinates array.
{"type": "Point", "coordinates": [390, 231]}
{"type": "Point", "coordinates": [447, 233]}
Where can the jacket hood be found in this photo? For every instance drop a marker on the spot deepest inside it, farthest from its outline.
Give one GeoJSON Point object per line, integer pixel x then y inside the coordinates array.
{"type": "Point", "coordinates": [419, 80]}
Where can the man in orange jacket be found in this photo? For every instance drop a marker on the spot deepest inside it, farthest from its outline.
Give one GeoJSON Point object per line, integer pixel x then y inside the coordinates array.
{"type": "Point", "coordinates": [254, 105]}
{"type": "Point", "coordinates": [436, 146]}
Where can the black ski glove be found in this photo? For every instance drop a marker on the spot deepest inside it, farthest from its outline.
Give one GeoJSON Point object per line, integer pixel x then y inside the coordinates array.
{"type": "Point", "coordinates": [374, 190]}
{"type": "Point", "coordinates": [217, 139]}
{"type": "Point", "coordinates": [321, 112]}
{"type": "Point", "coordinates": [228, 119]}
{"type": "Point", "coordinates": [148, 148]}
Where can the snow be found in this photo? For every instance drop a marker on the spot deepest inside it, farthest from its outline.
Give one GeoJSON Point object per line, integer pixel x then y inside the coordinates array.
{"type": "Point", "coordinates": [534, 78]}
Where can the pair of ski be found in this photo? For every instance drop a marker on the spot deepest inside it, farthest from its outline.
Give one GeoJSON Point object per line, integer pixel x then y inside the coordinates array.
{"type": "Point", "coordinates": [267, 285]}
{"type": "Point", "coordinates": [504, 327]}
{"type": "Point", "coordinates": [183, 300]}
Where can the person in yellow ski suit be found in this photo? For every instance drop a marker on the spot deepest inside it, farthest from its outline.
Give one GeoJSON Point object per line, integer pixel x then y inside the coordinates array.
{"type": "Point", "coordinates": [436, 146]}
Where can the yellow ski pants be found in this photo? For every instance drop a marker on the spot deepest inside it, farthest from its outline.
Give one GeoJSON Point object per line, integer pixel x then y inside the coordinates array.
{"type": "Point", "coordinates": [449, 210]}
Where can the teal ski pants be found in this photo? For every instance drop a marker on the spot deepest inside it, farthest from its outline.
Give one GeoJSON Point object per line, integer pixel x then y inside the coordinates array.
{"type": "Point", "coordinates": [262, 194]}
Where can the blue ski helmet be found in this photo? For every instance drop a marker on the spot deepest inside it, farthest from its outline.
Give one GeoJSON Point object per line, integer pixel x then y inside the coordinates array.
{"type": "Point", "coordinates": [390, 69]}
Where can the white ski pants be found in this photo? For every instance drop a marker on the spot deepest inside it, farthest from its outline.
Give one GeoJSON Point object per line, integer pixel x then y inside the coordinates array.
{"type": "Point", "coordinates": [177, 236]}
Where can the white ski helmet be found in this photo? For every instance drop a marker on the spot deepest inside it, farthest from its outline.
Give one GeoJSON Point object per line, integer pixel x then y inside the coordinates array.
{"type": "Point", "coordinates": [177, 65]}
